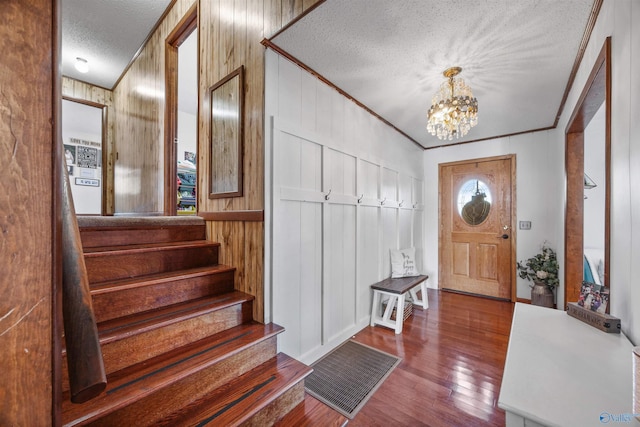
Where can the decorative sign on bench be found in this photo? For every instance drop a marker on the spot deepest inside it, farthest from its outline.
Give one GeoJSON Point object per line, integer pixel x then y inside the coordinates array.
{"type": "Point", "coordinates": [604, 322]}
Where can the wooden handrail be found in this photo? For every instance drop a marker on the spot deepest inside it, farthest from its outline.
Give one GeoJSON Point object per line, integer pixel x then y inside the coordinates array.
{"type": "Point", "coordinates": [87, 377]}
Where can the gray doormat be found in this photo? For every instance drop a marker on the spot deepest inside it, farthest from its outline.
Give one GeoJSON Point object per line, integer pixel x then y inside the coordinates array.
{"type": "Point", "coordinates": [348, 376]}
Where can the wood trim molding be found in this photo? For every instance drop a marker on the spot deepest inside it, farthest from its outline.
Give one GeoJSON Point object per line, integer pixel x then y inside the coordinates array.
{"type": "Point", "coordinates": [597, 90]}
{"type": "Point", "coordinates": [595, 11]}
{"type": "Point", "coordinates": [182, 30]}
{"type": "Point", "coordinates": [270, 45]}
{"type": "Point", "coordinates": [246, 216]}
{"type": "Point", "coordinates": [479, 160]}
{"type": "Point", "coordinates": [523, 300]}
{"type": "Point", "coordinates": [57, 176]}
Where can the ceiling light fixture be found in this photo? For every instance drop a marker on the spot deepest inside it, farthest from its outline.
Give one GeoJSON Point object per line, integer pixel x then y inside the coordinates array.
{"type": "Point", "coordinates": [453, 110]}
{"type": "Point", "coordinates": [82, 65]}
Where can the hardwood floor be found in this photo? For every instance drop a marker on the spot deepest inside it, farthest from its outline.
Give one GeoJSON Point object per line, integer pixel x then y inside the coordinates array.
{"type": "Point", "coordinates": [453, 356]}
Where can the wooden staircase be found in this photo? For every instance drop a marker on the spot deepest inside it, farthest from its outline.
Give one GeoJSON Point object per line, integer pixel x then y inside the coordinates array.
{"type": "Point", "coordinates": [179, 344]}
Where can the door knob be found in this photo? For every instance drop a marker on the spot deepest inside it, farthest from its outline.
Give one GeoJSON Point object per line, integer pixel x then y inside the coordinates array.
{"type": "Point", "coordinates": [504, 236]}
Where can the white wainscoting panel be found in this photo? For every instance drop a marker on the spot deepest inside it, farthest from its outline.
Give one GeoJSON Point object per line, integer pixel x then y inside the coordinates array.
{"type": "Point", "coordinates": [342, 188]}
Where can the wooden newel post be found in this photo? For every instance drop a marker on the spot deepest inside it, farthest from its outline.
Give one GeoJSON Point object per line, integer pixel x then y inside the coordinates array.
{"type": "Point", "coordinates": [87, 377]}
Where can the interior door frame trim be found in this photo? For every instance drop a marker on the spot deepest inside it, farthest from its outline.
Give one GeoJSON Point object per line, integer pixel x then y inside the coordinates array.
{"type": "Point", "coordinates": [107, 182]}
{"type": "Point", "coordinates": [596, 91]}
{"type": "Point", "coordinates": [183, 29]}
{"type": "Point", "coordinates": [513, 238]}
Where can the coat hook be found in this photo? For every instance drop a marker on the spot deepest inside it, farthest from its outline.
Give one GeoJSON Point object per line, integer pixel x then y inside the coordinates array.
{"type": "Point", "coordinates": [326, 196]}
{"type": "Point", "coordinates": [400, 204]}
{"type": "Point", "coordinates": [415, 205]}
{"type": "Point", "coordinates": [382, 202]}
{"type": "Point", "coordinates": [360, 198]}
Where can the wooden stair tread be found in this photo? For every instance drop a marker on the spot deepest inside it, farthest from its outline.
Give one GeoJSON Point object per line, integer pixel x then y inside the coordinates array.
{"type": "Point", "coordinates": [151, 279]}
{"type": "Point", "coordinates": [100, 251]}
{"type": "Point", "coordinates": [137, 381]}
{"type": "Point", "coordinates": [312, 412]}
{"type": "Point", "coordinates": [123, 327]}
{"type": "Point", "coordinates": [238, 400]}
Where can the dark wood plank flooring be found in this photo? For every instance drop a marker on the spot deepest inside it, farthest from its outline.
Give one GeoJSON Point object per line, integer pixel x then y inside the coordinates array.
{"type": "Point", "coordinates": [453, 356]}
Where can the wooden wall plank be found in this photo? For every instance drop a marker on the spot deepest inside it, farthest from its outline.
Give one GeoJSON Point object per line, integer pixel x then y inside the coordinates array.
{"type": "Point", "coordinates": [230, 32]}
{"type": "Point", "coordinates": [27, 219]}
{"type": "Point", "coordinates": [139, 130]}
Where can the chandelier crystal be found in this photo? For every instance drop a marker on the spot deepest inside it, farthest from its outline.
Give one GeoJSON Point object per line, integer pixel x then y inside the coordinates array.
{"type": "Point", "coordinates": [454, 110]}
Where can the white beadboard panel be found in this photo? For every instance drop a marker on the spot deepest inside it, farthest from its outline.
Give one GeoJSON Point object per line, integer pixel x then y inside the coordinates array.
{"type": "Point", "coordinates": [369, 263]}
{"type": "Point", "coordinates": [324, 251]}
{"type": "Point", "coordinates": [418, 192]}
{"type": "Point", "coordinates": [368, 181]}
{"type": "Point", "coordinates": [405, 236]}
{"type": "Point", "coordinates": [389, 238]}
{"type": "Point", "coordinates": [340, 172]}
{"type": "Point", "coordinates": [418, 240]}
{"type": "Point", "coordinates": [310, 304]}
{"type": "Point", "coordinates": [287, 268]}
{"type": "Point", "coordinates": [308, 113]}
{"type": "Point", "coordinates": [290, 91]}
{"type": "Point", "coordinates": [299, 162]}
{"type": "Point", "coordinates": [405, 195]}
{"type": "Point", "coordinates": [340, 269]}
{"type": "Point", "coordinates": [389, 185]}
{"type": "Point", "coordinates": [323, 110]}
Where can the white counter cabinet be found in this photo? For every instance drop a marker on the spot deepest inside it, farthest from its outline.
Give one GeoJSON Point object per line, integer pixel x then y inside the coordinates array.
{"type": "Point", "coordinates": [562, 372]}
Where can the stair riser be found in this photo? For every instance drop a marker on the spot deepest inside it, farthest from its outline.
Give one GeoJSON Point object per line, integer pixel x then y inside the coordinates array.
{"type": "Point", "coordinates": [156, 407]}
{"type": "Point", "coordinates": [114, 236]}
{"type": "Point", "coordinates": [107, 306]}
{"type": "Point", "coordinates": [278, 408]}
{"type": "Point", "coordinates": [130, 350]}
{"type": "Point", "coordinates": [104, 267]}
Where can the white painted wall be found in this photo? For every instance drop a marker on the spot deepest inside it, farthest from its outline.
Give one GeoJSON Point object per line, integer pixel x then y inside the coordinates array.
{"type": "Point", "coordinates": [342, 188]}
{"type": "Point", "coordinates": [82, 127]}
{"type": "Point", "coordinates": [187, 133]}
{"type": "Point", "coordinates": [539, 187]}
{"type": "Point", "coordinates": [540, 169]}
{"type": "Point", "coordinates": [618, 19]}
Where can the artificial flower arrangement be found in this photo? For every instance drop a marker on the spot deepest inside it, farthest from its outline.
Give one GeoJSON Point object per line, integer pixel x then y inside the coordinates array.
{"type": "Point", "coordinates": [542, 268]}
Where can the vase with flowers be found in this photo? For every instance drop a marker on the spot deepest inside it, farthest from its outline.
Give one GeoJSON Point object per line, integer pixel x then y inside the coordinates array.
{"type": "Point", "coordinates": [542, 270]}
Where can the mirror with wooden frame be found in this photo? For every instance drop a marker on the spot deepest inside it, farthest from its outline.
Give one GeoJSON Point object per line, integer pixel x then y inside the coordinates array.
{"type": "Point", "coordinates": [226, 136]}
{"type": "Point", "coordinates": [587, 224]}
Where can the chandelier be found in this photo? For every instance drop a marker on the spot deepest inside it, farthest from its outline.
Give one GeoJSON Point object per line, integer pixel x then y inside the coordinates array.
{"type": "Point", "coordinates": [453, 110]}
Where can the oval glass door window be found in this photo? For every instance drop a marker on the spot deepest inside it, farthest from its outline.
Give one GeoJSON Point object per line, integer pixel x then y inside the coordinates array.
{"type": "Point", "coordinates": [474, 202]}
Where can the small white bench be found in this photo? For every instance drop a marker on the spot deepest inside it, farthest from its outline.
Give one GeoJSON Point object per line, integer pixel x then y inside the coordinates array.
{"type": "Point", "coordinates": [396, 290]}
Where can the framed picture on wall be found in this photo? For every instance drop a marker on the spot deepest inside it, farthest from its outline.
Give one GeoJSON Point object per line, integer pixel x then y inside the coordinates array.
{"type": "Point", "coordinates": [189, 156]}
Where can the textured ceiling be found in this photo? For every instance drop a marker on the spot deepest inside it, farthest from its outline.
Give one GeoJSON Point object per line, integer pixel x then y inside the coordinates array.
{"type": "Point", "coordinates": [107, 33]}
{"type": "Point", "coordinates": [517, 56]}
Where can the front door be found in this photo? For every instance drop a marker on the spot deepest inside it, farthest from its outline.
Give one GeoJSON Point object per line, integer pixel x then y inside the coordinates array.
{"type": "Point", "coordinates": [477, 245]}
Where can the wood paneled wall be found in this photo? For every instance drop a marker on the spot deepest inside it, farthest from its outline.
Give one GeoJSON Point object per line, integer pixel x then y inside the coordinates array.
{"type": "Point", "coordinates": [230, 33]}
{"type": "Point", "coordinates": [139, 128]}
{"type": "Point", "coordinates": [76, 89]}
{"type": "Point", "coordinates": [28, 109]}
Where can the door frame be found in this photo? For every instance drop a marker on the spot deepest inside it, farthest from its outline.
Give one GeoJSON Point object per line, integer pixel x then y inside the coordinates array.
{"type": "Point", "coordinates": [513, 239]}
{"type": "Point", "coordinates": [596, 91]}
{"type": "Point", "coordinates": [183, 29]}
{"type": "Point", "coordinates": [107, 178]}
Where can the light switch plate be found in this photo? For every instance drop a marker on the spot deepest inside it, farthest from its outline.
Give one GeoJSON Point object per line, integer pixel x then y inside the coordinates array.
{"type": "Point", "coordinates": [525, 225]}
